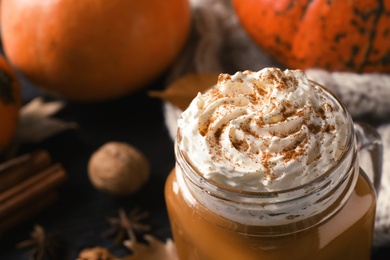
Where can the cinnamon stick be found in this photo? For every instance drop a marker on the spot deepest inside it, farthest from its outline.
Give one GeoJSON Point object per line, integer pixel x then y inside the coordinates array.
{"type": "Point", "coordinates": [20, 195]}
{"type": "Point", "coordinates": [19, 168]}
{"type": "Point", "coordinates": [28, 211]}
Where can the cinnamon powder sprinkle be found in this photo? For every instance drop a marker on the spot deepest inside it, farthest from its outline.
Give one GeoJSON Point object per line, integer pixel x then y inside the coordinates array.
{"type": "Point", "coordinates": [295, 150]}
{"type": "Point", "coordinates": [224, 77]}
{"type": "Point", "coordinates": [267, 166]}
{"type": "Point", "coordinates": [218, 133]}
{"type": "Point", "coordinates": [314, 128]}
{"type": "Point", "coordinates": [203, 127]}
{"type": "Point", "coordinates": [260, 90]}
{"type": "Point", "coordinates": [240, 145]}
{"type": "Point", "coordinates": [292, 154]}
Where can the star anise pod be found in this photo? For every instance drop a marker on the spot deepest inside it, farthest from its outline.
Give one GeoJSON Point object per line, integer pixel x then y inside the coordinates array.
{"type": "Point", "coordinates": [43, 245]}
{"type": "Point", "coordinates": [126, 225]}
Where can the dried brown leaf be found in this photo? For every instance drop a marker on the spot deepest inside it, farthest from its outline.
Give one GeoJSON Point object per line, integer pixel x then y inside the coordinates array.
{"type": "Point", "coordinates": [153, 250]}
{"type": "Point", "coordinates": [182, 91]}
{"type": "Point", "coordinates": [36, 123]}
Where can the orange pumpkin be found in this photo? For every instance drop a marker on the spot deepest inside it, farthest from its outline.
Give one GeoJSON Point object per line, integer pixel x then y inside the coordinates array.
{"type": "Point", "coordinates": [338, 35]}
{"type": "Point", "coordinates": [10, 101]}
{"type": "Point", "coordinates": [91, 50]}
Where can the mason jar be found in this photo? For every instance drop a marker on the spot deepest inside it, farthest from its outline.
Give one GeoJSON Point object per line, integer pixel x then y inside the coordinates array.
{"type": "Point", "coordinates": [330, 217]}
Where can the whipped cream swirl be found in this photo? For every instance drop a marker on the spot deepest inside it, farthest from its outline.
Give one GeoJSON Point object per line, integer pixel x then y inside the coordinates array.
{"type": "Point", "coordinates": [263, 131]}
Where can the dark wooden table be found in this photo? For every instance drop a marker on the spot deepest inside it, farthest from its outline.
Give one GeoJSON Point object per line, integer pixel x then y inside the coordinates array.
{"type": "Point", "coordinates": [78, 219]}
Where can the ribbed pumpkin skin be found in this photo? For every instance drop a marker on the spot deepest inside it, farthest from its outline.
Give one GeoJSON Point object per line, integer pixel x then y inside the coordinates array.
{"type": "Point", "coordinates": [340, 35]}
{"type": "Point", "coordinates": [89, 50]}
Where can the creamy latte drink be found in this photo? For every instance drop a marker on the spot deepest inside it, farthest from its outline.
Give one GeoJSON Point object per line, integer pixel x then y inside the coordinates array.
{"type": "Point", "coordinates": [267, 169]}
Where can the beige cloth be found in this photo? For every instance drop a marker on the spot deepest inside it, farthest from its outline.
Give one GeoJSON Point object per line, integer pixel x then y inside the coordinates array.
{"type": "Point", "coordinates": [219, 44]}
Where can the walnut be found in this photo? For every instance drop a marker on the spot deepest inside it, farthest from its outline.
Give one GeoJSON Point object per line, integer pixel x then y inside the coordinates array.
{"type": "Point", "coordinates": [118, 169]}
